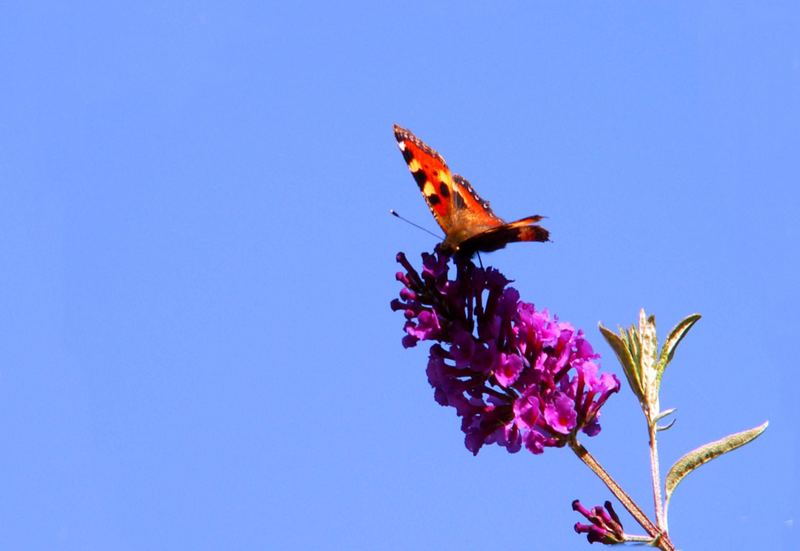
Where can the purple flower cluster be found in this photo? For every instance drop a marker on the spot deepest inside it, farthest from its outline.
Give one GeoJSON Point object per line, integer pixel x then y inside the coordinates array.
{"type": "Point", "coordinates": [515, 375]}
{"type": "Point", "coordinates": [605, 526]}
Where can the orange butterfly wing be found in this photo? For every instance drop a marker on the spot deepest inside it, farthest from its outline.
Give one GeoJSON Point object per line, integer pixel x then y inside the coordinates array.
{"type": "Point", "coordinates": [467, 220]}
{"type": "Point", "coordinates": [431, 174]}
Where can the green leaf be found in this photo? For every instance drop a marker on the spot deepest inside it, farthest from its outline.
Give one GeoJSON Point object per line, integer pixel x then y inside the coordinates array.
{"type": "Point", "coordinates": [704, 454]}
{"type": "Point", "coordinates": [665, 427]}
{"type": "Point", "coordinates": [675, 336]}
{"type": "Point", "coordinates": [649, 362]}
{"type": "Point", "coordinates": [647, 329]}
{"type": "Point", "coordinates": [663, 414]}
{"type": "Point", "coordinates": [629, 367]}
{"type": "Point", "coordinates": [635, 346]}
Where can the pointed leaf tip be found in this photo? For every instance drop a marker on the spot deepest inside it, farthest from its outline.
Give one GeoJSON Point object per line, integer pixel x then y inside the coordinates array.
{"type": "Point", "coordinates": [706, 453]}
{"type": "Point", "coordinates": [673, 339]}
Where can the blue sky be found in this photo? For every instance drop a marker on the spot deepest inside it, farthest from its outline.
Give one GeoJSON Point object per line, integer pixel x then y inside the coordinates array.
{"type": "Point", "coordinates": [196, 347]}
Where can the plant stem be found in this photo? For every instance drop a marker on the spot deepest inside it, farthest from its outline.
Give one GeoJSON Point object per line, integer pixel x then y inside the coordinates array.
{"type": "Point", "coordinates": [656, 476]}
{"type": "Point", "coordinates": [660, 537]}
{"type": "Point", "coordinates": [637, 539]}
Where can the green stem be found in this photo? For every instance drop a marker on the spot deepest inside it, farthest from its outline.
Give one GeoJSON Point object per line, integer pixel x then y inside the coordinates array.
{"type": "Point", "coordinates": [655, 475]}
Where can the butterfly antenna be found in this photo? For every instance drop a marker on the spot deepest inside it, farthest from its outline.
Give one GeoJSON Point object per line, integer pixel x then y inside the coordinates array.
{"type": "Point", "coordinates": [407, 221]}
{"type": "Point", "coordinates": [479, 259]}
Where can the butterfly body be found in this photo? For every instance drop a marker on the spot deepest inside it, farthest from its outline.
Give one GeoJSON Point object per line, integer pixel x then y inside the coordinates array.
{"type": "Point", "coordinates": [467, 220]}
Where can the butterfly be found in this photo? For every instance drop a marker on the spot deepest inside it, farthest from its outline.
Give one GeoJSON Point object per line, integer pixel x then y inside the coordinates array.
{"type": "Point", "coordinates": [468, 222]}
